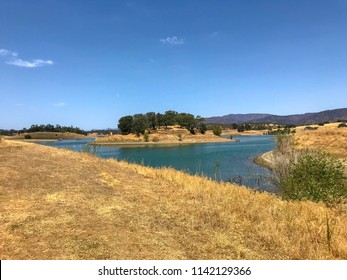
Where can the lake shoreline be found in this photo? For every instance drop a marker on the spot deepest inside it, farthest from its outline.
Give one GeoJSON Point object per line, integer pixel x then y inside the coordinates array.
{"type": "Point", "coordinates": [172, 143]}
{"type": "Point", "coordinates": [265, 160]}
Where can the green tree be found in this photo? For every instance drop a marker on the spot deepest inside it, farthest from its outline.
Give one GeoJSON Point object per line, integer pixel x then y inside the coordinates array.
{"type": "Point", "coordinates": [125, 124]}
{"type": "Point", "coordinates": [160, 119]}
{"type": "Point", "coordinates": [201, 125]}
{"type": "Point", "coordinates": [170, 117]}
{"type": "Point", "coordinates": [139, 124]}
{"type": "Point", "coordinates": [152, 120]}
{"type": "Point", "coordinates": [187, 121]}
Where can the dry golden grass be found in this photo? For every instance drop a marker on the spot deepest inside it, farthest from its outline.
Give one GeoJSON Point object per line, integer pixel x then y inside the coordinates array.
{"type": "Point", "coordinates": [328, 138]}
{"type": "Point", "coordinates": [332, 140]}
{"type": "Point", "coordinates": [170, 135]}
{"type": "Point", "coordinates": [245, 133]}
{"type": "Point", "coordinates": [59, 204]}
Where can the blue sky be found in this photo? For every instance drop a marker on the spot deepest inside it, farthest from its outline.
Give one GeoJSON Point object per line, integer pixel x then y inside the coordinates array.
{"type": "Point", "coordinates": [87, 63]}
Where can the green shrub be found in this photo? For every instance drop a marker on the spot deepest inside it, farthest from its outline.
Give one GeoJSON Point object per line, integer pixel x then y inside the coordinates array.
{"type": "Point", "coordinates": [217, 130]}
{"type": "Point", "coordinates": [306, 174]}
{"type": "Point", "coordinates": [315, 176]}
{"type": "Point", "coordinates": [311, 127]}
{"type": "Point", "coordinates": [146, 136]}
{"type": "Point", "coordinates": [342, 125]}
{"type": "Point", "coordinates": [27, 136]}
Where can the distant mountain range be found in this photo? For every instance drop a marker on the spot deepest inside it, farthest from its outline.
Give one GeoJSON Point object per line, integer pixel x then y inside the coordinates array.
{"type": "Point", "coordinates": [300, 119]}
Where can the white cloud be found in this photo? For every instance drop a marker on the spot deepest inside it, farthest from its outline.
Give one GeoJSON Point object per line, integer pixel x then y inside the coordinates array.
{"type": "Point", "coordinates": [174, 40]}
{"type": "Point", "coordinates": [29, 64]}
{"type": "Point", "coordinates": [13, 59]}
{"type": "Point", "coordinates": [60, 104]}
{"type": "Point", "coordinates": [4, 52]}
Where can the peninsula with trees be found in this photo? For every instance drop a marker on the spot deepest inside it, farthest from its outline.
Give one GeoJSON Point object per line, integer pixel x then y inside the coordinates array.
{"type": "Point", "coordinates": [168, 128]}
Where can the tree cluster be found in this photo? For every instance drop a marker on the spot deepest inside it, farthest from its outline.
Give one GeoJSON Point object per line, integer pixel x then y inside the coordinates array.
{"type": "Point", "coordinates": [44, 128]}
{"type": "Point", "coordinates": [253, 126]}
{"type": "Point", "coordinates": [56, 128]}
{"type": "Point", "coordinates": [52, 128]}
{"type": "Point", "coordinates": [139, 123]}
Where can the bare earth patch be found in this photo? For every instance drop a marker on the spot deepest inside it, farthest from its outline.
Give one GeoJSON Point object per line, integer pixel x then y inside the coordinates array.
{"type": "Point", "coordinates": [59, 204]}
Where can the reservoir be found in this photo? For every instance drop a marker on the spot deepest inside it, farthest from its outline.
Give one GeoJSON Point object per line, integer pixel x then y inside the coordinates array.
{"type": "Point", "coordinates": [227, 161]}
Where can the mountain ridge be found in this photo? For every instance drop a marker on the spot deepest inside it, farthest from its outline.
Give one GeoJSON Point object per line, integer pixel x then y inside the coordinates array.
{"type": "Point", "coordinates": [295, 119]}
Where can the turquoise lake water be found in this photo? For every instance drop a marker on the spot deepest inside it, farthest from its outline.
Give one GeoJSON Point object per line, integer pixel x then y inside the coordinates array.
{"type": "Point", "coordinates": [231, 161]}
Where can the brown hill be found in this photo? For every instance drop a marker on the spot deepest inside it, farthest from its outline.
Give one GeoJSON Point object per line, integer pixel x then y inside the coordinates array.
{"type": "Point", "coordinates": [298, 119]}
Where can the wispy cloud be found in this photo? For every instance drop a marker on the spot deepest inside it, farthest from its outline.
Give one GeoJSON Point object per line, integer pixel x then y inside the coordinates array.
{"type": "Point", "coordinates": [13, 59]}
{"type": "Point", "coordinates": [174, 40]}
{"type": "Point", "coordinates": [4, 52]}
{"type": "Point", "coordinates": [29, 64]}
{"type": "Point", "coordinates": [60, 104]}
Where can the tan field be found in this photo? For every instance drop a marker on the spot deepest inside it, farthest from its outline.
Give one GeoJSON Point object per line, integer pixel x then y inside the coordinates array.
{"type": "Point", "coordinates": [170, 135]}
{"type": "Point", "coordinates": [329, 138]}
{"type": "Point", "coordinates": [244, 133]}
{"type": "Point", "coordinates": [59, 204]}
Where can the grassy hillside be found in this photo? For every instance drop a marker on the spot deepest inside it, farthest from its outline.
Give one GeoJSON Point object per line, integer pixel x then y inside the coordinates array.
{"type": "Point", "coordinates": [59, 204]}
{"type": "Point", "coordinates": [328, 138]}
